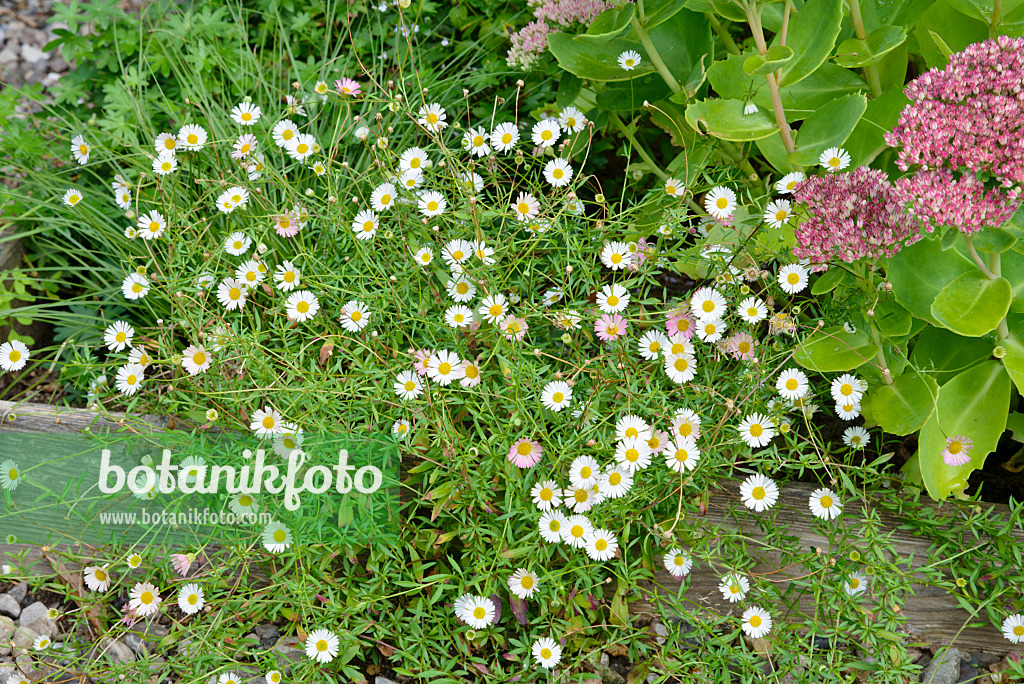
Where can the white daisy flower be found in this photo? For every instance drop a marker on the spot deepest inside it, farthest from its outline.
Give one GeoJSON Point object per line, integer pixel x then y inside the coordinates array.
{"type": "Point", "coordinates": [72, 197]}
{"type": "Point", "coordinates": [552, 524]}
{"type": "Point", "coordinates": [686, 423]}
{"type": "Point", "coordinates": [266, 422]}
{"type": "Point", "coordinates": [237, 244]}
{"type": "Point", "coordinates": [276, 537]}
{"type": "Point", "coordinates": [792, 384]}
{"type": "Point", "coordinates": [445, 367]}
{"type": "Point", "coordinates": [432, 203]}
{"type": "Point", "coordinates": [546, 133]}
{"type": "Point", "coordinates": [10, 475]}
{"type": "Point", "coordinates": [190, 599]}
{"type": "Point", "coordinates": [192, 137]}
{"type": "Point", "coordinates": [613, 298]}
{"type": "Point", "coordinates": [584, 471]}
{"type": "Point", "coordinates": [504, 137]}
{"type": "Point", "coordinates": [558, 172]}
{"type": "Point", "coordinates": [274, 677]}
{"type": "Point", "coordinates": [792, 278]}
{"type": "Point", "coordinates": [787, 184]}
{"type": "Point", "coordinates": [711, 330]}
{"type": "Point", "coordinates": [475, 142]}
{"type": "Point", "coordinates": [165, 142]}
{"type": "Point", "coordinates": [80, 149]}
{"type": "Point", "coordinates": [756, 430]}
{"type": "Point", "coordinates": [825, 504]}
{"type": "Point", "coordinates": [556, 395]}
{"type": "Point", "coordinates": [41, 642]}
{"type": "Point", "coordinates": [546, 495]}
{"type": "Point", "coordinates": [856, 437]}
{"type": "Point", "coordinates": [601, 544]}
{"type": "Point", "coordinates": [678, 562]}
{"type": "Point", "coordinates": [458, 316]}
{"type": "Point", "coordinates": [834, 159]}
{"type": "Point", "coordinates": [383, 197]}
{"type": "Point", "coordinates": [478, 612]}
{"type": "Point", "coordinates": [752, 310]}
{"type": "Point", "coordinates": [460, 289]}
{"type": "Point", "coordinates": [433, 117]}
{"type": "Point", "coordinates": [322, 646]}
{"type": "Point", "coordinates": [355, 315]}
{"type": "Point", "coordinates": [413, 159]}
{"type": "Point", "coordinates": [525, 207]}
{"type": "Point", "coordinates": [494, 308]}
{"type": "Point", "coordinates": [245, 114]}
{"type": "Point", "coordinates": [423, 256]}
{"type": "Point", "coordinates": [750, 108]}
{"type": "Point", "coordinates": [284, 132]}
{"type": "Point", "coordinates": [633, 454]}
{"type": "Point", "coordinates": [682, 454]}
{"type": "Point", "coordinates": [123, 199]}
{"type": "Point", "coordinates": [847, 388]}
{"type": "Point", "coordinates": [756, 622]}
{"type": "Point", "coordinates": [301, 305]}
{"type": "Point", "coordinates": [734, 587]}
{"type": "Point", "coordinates": [118, 336]}
{"type": "Point", "coordinates": [759, 493]}
{"type": "Point", "coordinates": [652, 344]}
{"type": "Point", "coordinates": [631, 425]}
{"type": "Point", "coordinates": [287, 276]}
{"type": "Point", "coordinates": [629, 60]}
{"type": "Point", "coordinates": [847, 410]}
{"type": "Point", "coordinates": [1013, 628]}
{"type": "Point", "coordinates": [547, 652]}
{"type": "Point", "coordinates": [165, 163]}
{"type": "Point", "coordinates": [576, 530]}
{"type": "Point", "coordinates": [135, 286]}
{"type": "Point", "coordinates": [408, 385]}
{"type": "Point", "coordinates": [523, 583]}
{"type": "Point", "coordinates": [250, 273]}
{"type": "Point", "coordinates": [365, 224]}
{"type": "Point", "coordinates": [572, 119]}
{"type": "Point", "coordinates": [855, 584]}
{"type": "Point", "coordinates": [144, 599]}
{"type": "Point", "coordinates": [777, 213]}
{"type": "Point", "coordinates": [129, 378]}
{"type": "Point", "coordinates": [680, 368]}
{"type": "Point", "coordinates": [616, 255]}
{"type": "Point", "coordinates": [616, 482]}
{"type": "Point", "coordinates": [720, 202]}
{"type": "Point", "coordinates": [674, 187]}
{"type": "Point", "coordinates": [708, 304]}
{"type": "Point", "coordinates": [97, 578]}
{"type": "Point", "coordinates": [195, 359]}
{"type": "Point", "coordinates": [231, 293]}
{"type": "Point", "coordinates": [151, 225]}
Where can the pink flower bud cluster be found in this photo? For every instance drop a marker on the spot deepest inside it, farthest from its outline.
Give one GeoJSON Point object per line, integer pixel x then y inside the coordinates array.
{"type": "Point", "coordinates": [965, 127]}
{"type": "Point", "coordinates": [530, 42]}
{"type": "Point", "coordinates": [852, 216]}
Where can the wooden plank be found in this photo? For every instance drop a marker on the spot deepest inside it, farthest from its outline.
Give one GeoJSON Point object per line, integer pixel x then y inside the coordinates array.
{"type": "Point", "coordinates": [932, 613]}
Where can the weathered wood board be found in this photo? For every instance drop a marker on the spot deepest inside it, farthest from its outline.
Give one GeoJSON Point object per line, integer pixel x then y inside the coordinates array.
{"type": "Point", "coordinates": [933, 614]}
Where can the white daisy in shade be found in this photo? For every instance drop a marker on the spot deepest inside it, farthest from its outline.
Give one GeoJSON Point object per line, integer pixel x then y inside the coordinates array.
{"type": "Point", "coordinates": [558, 172]}
{"type": "Point", "coordinates": [237, 244]}
{"type": "Point", "coordinates": [165, 163]}
{"type": "Point", "coordinates": [547, 652]}
{"type": "Point", "coordinates": [244, 504]}
{"type": "Point", "coordinates": [777, 213]}
{"type": "Point", "coordinates": [546, 133]}
{"type": "Point", "coordinates": [80, 149]}
{"type": "Point", "coordinates": [365, 224]}
{"type": "Point", "coordinates": [231, 293]}
{"type": "Point", "coordinates": [274, 677]}
{"type": "Point", "coordinates": [847, 410]}
{"type": "Point", "coordinates": [616, 255]}
{"type": "Point", "coordinates": [432, 117]}
{"type": "Point", "coordinates": [825, 504]}
{"type": "Point", "coordinates": [460, 289]}
{"type": "Point", "coordinates": [504, 137]}
{"type": "Point", "coordinates": [572, 119]}
{"type": "Point", "coordinates": [383, 197]}
{"type": "Point", "coordinates": [135, 286]}
{"type": "Point", "coordinates": [792, 278]}
{"type": "Point", "coordinates": [756, 622]}
{"type": "Point", "coordinates": [580, 499]}
{"type": "Point", "coordinates": [322, 645]}
{"type": "Point", "coordinates": [629, 60]}
{"type": "Point", "coordinates": [276, 537]}
{"type": "Point", "coordinates": [834, 159]}
{"type": "Point", "coordinates": [190, 599]}
{"type": "Point", "coordinates": [408, 385]}
{"type": "Point", "coordinates": [545, 495]}
{"type": "Point", "coordinates": [478, 611]}
{"type": "Point", "coordinates": [708, 304]}
{"type": "Point", "coordinates": [192, 137]}
{"type": "Point", "coordinates": [756, 430]}
{"type": "Point", "coordinates": [601, 544]}
{"type": "Point", "coordinates": [787, 184]}
{"type": "Point", "coordinates": [475, 142]}
{"type": "Point", "coordinates": [556, 395]}
{"type": "Point", "coordinates": [720, 202]}
{"type": "Point", "coordinates": [616, 482]}
{"type": "Point", "coordinates": [682, 454]}
{"type": "Point", "coordinates": [302, 305]}
{"type": "Point", "coordinates": [144, 599]}
{"type": "Point", "coordinates": [551, 525]}
{"type": "Point", "coordinates": [633, 454]}
{"type": "Point", "coordinates": [734, 587]}
{"type": "Point", "coordinates": [678, 562]}
{"type": "Point", "coordinates": [576, 530]}
{"type": "Point", "coordinates": [10, 475]}
{"type": "Point", "coordinates": [355, 316]}
{"type": "Point", "coordinates": [792, 384]}
{"type": "Point", "coordinates": [129, 378]}
{"type": "Point", "coordinates": [856, 437]}
{"type": "Point", "coordinates": [72, 197]}
{"type": "Point", "coordinates": [195, 359]}
{"type": "Point", "coordinates": [525, 207]}
{"type": "Point", "coordinates": [266, 422]}
{"type": "Point", "coordinates": [759, 493]}
{"type": "Point", "coordinates": [523, 583]}
{"type": "Point", "coordinates": [855, 584]}
{"type": "Point", "coordinates": [41, 643]}
{"type": "Point", "coordinates": [432, 203]}
{"type": "Point", "coordinates": [97, 578]}
{"type": "Point", "coordinates": [680, 368]}
{"type": "Point", "coordinates": [847, 388]}
{"type": "Point", "coordinates": [118, 336]}
{"type": "Point", "coordinates": [674, 187]}
{"type": "Point", "coordinates": [134, 561]}
{"type": "Point", "coordinates": [1013, 628]}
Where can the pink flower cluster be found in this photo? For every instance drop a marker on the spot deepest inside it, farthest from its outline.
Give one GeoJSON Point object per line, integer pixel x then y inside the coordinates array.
{"type": "Point", "coordinates": [530, 42]}
{"type": "Point", "coordinates": [965, 126]}
{"type": "Point", "coordinates": [852, 216]}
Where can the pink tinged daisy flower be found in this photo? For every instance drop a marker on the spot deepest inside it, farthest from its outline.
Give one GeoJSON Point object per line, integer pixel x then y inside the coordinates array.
{"type": "Point", "coordinates": [423, 361]}
{"type": "Point", "coordinates": [742, 346]}
{"type": "Point", "coordinates": [610, 327]}
{"type": "Point", "coordinates": [182, 562]}
{"type": "Point", "coordinates": [514, 328]}
{"type": "Point", "coordinates": [525, 453]}
{"type": "Point", "coordinates": [957, 451]}
{"type": "Point", "coordinates": [681, 323]}
{"type": "Point", "coordinates": [346, 86]}
{"type": "Point", "coordinates": [144, 599]}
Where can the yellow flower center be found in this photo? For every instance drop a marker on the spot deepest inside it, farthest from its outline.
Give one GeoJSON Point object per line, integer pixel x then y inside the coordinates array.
{"type": "Point", "coordinates": [545, 653]}
{"type": "Point", "coordinates": [410, 385]}
{"type": "Point", "coordinates": [321, 645]}
{"type": "Point", "coordinates": [445, 368]}
{"type": "Point", "coordinates": [154, 226]}
{"type": "Point", "coordinates": [302, 307]}
{"type": "Point", "coordinates": [287, 134]}
{"type": "Point", "coordinates": [546, 494]}
{"type": "Point", "coordinates": [385, 200]}
{"type": "Point", "coordinates": [472, 372]}
{"type": "Point", "coordinates": [791, 384]}
{"type": "Point", "coordinates": [524, 448]}
{"type": "Point", "coordinates": [557, 397]}
{"type": "Point", "coordinates": [478, 141]}
{"type": "Point", "coordinates": [558, 173]}
{"type": "Point", "coordinates": [526, 582]}
{"type": "Point", "coordinates": [632, 455]}
{"type": "Point", "coordinates": [755, 620]}
{"type": "Point", "coordinates": [682, 455]}
{"type": "Point", "coordinates": [193, 599]}
{"type": "Point", "coordinates": [431, 205]}
{"type": "Point", "coordinates": [192, 138]}
{"type": "Point", "coordinates": [601, 545]}
{"type": "Point", "coordinates": [495, 310]}
{"type": "Point", "coordinates": [268, 422]}
{"type": "Point", "coordinates": [432, 118]}
{"type": "Point", "coordinates": [576, 531]}
{"type": "Point", "coordinates": [955, 447]}
{"type": "Point", "coordinates": [415, 163]}
{"type": "Point", "coordinates": [199, 358]}
{"type": "Point", "coordinates": [356, 315]}
{"type": "Point", "coordinates": [146, 598]}
{"type": "Point", "coordinates": [793, 279]}
{"type": "Point", "coordinates": [758, 493]}
{"type": "Point", "coordinates": [479, 613]}
{"type": "Point", "coordinates": [12, 474]}
{"type": "Point", "coordinates": [721, 203]}
{"type": "Point", "coordinates": [681, 364]}
{"type": "Point", "coordinates": [780, 215]}
{"type": "Point", "coordinates": [546, 135]}
{"type": "Point", "coordinates": [100, 575]}
{"type": "Point", "coordinates": [136, 288]}
{"type": "Point", "coordinates": [613, 301]}
{"type": "Point", "coordinates": [461, 288]}
{"type": "Point", "coordinates": [854, 582]}
{"type": "Point", "coordinates": [132, 379]}
{"type": "Point", "coordinates": [289, 276]}
{"type": "Point", "coordinates": [246, 116]}
{"type": "Point", "coordinates": [523, 208]}
{"type": "Point", "coordinates": [756, 430]}
{"type": "Point", "coordinates": [279, 536]}
{"type": "Point", "coordinates": [826, 502]}
{"type": "Point", "coordinates": [368, 226]}
{"type": "Point", "coordinates": [743, 347]}
{"type": "Point", "coordinates": [301, 148]}
{"type": "Point", "coordinates": [506, 139]}
{"type": "Point", "coordinates": [234, 294]}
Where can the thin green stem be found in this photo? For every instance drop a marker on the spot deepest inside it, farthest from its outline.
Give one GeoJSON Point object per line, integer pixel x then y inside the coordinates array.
{"type": "Point", "coordinates": [977, 259]}
{"type": "Point", "coordinates": [995, 266]}
{"type": "Point", "coordinates": [997, 14]}
{"type": "Point", "coordinates": [639, 148]}
{"type": "Point", "coordinates": [880, 354]}
{"type": "Point", "coordinates": [722, 33]}
{"type": "Point", "coordinates": [871, 70]}
{"type": "Point", "coordinates": [656, 59]}
{"type": "Point", "coordinates": [754, 19]}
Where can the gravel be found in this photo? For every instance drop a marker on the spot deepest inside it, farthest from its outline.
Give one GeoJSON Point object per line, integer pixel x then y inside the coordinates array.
{"type": "Point", "coordinates": [23, 35]}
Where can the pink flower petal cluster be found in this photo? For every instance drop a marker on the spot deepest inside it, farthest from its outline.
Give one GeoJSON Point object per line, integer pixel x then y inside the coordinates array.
{"type": "Point", "coordinates": [530, 42]}
{"type": "Point", "coordinates": [964, 132]}
{"type": "Point", "coordinates": [852, 216]}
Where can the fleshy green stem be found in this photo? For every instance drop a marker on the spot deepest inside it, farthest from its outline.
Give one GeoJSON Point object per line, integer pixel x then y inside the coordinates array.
{"type": "Point", "coordinates": [997, 14]}
{"type": "Point", "coordinates": [652, 52]}
{"type": "Point", "coordinates": [871, 70]}
{"type": "Point", "coordinates": [880, 354]}
{"type": "Point", "coordinates": [639, 148]}
{"type": "Point", "coordinates": [754, 19]}
{"type": "Point", "coordinates": [1002, 330]}
{"type": "Point", "coordinates": [977, 259]}
{"type": "Point", "coordinates": [722, 34]}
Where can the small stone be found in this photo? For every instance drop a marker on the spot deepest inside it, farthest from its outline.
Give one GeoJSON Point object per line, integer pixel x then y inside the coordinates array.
{"type": "Point", "coordinates": [945, 666]}
{"type": "Point", "coordinates": [136, 643]}
{"type": "Point", "coordinates": [32, 54]}
{"type": "Point", "coordinates": [19, 593]}
{"type": "Point", "coordinates": [6, 632]}
{"type": "Point", "coordinates": [28, 667]}
{"type": "Point", "coordinates": [8, 56]}
{"type": "Point", "coordinates": [986, 659]}
{"type": "Point", "coordinates": [9, 607]}
{"type": "Point", "coordinates": [23, 638]}
{"type": "Point", "coordinates": [608, 675]}
{"type": "Point", "coordinates": [662, 632]}
{"type": "Point", "coordinates": [383, 680]}
{"type": "Point", "coordinates": [116, 651]}
{"type": "Point", "coordinates": [37, 617]}
{"type": "Point", "coordinates": [268, 635]}
{"type": "Point", "coordinates": [968, 673]}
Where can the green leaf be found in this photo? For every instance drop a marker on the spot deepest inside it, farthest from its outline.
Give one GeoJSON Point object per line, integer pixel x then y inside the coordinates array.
{"type": "Point", "coordinates": [597, 61]}
{"type": "Point", "coordinates": [1011, 265]}
{"type": "Point", "coordinates": [975, 405]}
{"type": "Point", "coordinates": [775, 57]}
{"type": "Point", "coordinates": [944, 354]}
{"type": "Point", "coordinates": [629, 95]}
{"type": "Point", "coordinates": [953, 31]}
{"type": "Point", "coordinates": [879, 13]}
{"type": "Point", "coordinates": [829, 281]}
{"type": "Point", "coordinates": [891, 318]}
{"type": "Point", "coordinates": [1014, 344]}
{"type": "Point", "coordinates": [568, 89]}
{"type": "Point", "coordinates": [683, 57]}
{"type": "Point", "coordinates": [973, 304]}
{"type": "Point", "coordinates": [828, 127]}
{"type": "Point", "coordinates": [659, 11]}
{"type": "Point", "coordinates": [619, 610]}
{"type": "Point", "coordinates": [920, 271]}
{"type": "Point", "coordinates": [774, 152]}
{"type": "Point", "coordinates": [725, 119]}
{"type": "Point", "coordinates": [729, 10]}
{"type": "Point", "coordinates": [854, 52]}
{"type": "Point", "coordinates": [993, 240]}
{"type": "Point", "coordinates": [903, 407]}
{"type": "Point", "coordinates": [812, 35]}
{"type": "Point", "coordinates": [868, 139]}
{"type": "Point", "coordinates": [831, 350]}
{"type": "Point", "coordinates": [609, 24]}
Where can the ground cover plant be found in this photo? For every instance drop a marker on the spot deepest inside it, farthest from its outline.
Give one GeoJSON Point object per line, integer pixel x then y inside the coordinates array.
{"type": "Point", "coordinates": [583, 287]}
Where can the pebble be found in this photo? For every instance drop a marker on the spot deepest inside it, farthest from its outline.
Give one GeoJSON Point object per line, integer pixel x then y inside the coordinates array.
{"type": "Point", "coordinates": [945, 666]}
{"type": "Point", "coordinates": [383, 680]}
{"type": "Point", "coordinates": [116, 651]}
{"type": "Point", "coordinates": [19, 593]}
{"type": "Point", "coordinates": [268, 635]}
{"type": "Point", "coordinates": [37, 618]}
{"type": "Point", "coordinates": [23, 637]}
{"type": "Point", "coordinates": [9, 607]}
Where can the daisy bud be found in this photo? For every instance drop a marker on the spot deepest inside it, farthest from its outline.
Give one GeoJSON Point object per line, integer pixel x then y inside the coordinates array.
{"type": "Point", "coordinates": [599, 198]}
{"type": "Point", "coordinates": [999, 352]}
{"type": "Point", "coordinates": [888, 286]}
{"type": "Point", "coordinates": [309, 192]}
{"type": "Point", "coordinates": [536, 351]}
{"type": "Point", "coordinates": [567, 338]}
{"type": "Point", "coordinates": [520, 83]}
{"type": "Point", "coordinates": [501, 100]}
{"type": "Point", "coordinates": [331, 199]}
{"type": "Point", "coordinates": [646, 103]}
{"type": "Point", "coordinates": [465, 91]}
{"type": "Point", "coordinates": [568, 269]}
{"type": "Point", "coordinates": [591, 443]}
{"type": "Point", "coordinates": [373, 334]}
{"type": "Point", "coordinates": [558, 375]}
{"type": "Point", "coordinates": [394, 279]}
